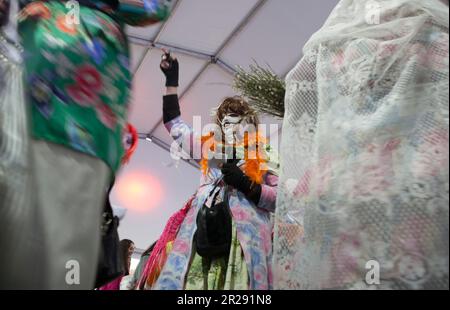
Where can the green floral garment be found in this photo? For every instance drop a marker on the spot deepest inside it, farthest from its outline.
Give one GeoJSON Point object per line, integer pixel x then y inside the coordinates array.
{"type": "Point", "coordinates": [219, 274]}
{"type": "Point", "coordinates": [78, 76]}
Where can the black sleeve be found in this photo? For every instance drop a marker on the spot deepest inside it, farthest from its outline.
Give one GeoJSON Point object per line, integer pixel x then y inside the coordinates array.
{"type": "Point", "coordinates": [171, 108]}
{"type": "Point", "coordinates": [255, 194]}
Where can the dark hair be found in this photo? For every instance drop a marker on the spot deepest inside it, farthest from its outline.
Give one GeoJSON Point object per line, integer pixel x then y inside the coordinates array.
{"type": "Point", "coordinates": [125, 246]}
{"type": "Point", "coordinates": [4, 13]}
{"type": "Point", "coordinates": [114, 4]}
{"type": "Point", "coordinates": [238, 106]}
{"type": "Point", "coordinates": [149, 250]}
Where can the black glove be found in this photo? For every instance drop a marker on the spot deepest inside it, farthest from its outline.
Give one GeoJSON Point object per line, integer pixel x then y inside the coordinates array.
{"type": "Point", "coordinates": [170, 67]}
{"type": "Point", "coordinates": [235, 177]}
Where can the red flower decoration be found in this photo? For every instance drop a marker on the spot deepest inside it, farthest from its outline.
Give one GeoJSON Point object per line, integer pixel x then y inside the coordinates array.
{"type": "Point", "coordinates": [36, 10]}
{"type": "Point", "coordinates": [64, 26]}
{"type": "Point", "coordinates": [106, 116]}
{"type": "Point", "coordinates": [88, 84]}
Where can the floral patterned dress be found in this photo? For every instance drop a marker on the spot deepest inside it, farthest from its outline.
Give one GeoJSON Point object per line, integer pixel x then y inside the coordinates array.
{"type": "Point", "coordinates": [226, 273]}
{"type": "Point", "coordinates": [249, 265]}
{"type": "Point", "coordinates": [78, 75]}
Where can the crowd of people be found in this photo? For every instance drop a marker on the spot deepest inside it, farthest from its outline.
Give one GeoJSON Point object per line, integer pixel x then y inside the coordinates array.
{"type": "Point", "coordinates": [362, 173]}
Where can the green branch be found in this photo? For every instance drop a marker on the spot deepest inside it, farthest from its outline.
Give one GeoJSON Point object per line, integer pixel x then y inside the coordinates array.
{"type": "Point", "coordinates": [262, 88]}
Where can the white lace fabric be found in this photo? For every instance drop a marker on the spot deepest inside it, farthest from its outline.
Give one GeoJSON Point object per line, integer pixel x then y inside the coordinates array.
{"type": "Point", "coordinates": [365, 152]}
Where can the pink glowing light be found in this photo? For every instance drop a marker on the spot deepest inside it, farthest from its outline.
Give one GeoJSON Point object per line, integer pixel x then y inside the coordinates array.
{"type": "Point", "coordinates": [138, 191]}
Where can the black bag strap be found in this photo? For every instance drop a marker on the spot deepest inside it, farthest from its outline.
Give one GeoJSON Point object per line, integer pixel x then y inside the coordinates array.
{"type": "Point", "coordinates": [226, 193]}
{"type": "Point", "coordinates": [226, 200]}
{"type": "Point", "coordinates": [108, 213]}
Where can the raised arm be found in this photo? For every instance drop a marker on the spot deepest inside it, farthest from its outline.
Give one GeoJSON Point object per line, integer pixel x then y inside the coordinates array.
{"type": "Point", "coordinates": [181, 132]}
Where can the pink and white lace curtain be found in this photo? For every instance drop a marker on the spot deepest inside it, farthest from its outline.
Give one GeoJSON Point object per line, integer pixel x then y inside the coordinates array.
{"type": "Point", "coordinates": [365, 152]}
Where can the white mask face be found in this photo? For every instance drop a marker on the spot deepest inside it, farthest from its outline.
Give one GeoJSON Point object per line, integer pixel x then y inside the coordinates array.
{"type": "Point", "coordinates": [230, 124]}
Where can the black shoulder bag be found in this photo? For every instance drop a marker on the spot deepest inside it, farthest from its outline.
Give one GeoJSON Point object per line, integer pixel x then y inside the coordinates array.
{"type": "Point", "coordinates": [110, 265]}
{"type": "Point", "coordinates": [214, 227]}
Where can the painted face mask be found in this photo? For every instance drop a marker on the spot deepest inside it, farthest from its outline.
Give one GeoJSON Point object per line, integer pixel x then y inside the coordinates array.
{"type": "Point", "coordinates": [230, 124]}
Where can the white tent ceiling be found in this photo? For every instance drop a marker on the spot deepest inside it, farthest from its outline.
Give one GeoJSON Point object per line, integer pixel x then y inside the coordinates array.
{"type": "Point", "coordinates": [209, 37]}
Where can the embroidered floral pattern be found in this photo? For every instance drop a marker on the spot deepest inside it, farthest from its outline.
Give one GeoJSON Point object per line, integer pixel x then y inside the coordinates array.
{"type": "Point", "coordinates": [365, 154]}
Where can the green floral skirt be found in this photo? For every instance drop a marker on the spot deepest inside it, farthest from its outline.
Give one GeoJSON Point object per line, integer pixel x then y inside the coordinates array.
{"type": "Point", "coordinates": [226, 273]}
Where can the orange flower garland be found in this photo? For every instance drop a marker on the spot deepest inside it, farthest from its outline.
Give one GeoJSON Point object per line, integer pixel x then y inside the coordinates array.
{"type": "Point", "coordinates": [255, 164]}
